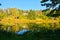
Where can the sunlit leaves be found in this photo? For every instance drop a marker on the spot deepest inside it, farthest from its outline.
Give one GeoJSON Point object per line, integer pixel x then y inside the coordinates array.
{"type": "Point", "coordinates": [15, 20]}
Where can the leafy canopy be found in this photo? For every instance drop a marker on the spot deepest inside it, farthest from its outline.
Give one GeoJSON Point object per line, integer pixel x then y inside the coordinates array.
{"type": "Point", "coordinates": [51, 4]}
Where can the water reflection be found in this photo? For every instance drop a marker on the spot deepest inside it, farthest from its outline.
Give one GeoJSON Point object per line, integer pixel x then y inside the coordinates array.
{"type": "Point", "coordinates": [22, 32]}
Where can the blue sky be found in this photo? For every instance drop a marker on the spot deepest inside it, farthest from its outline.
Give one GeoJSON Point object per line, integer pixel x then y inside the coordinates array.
{"type": "Point", "coordinates": [22, 4]}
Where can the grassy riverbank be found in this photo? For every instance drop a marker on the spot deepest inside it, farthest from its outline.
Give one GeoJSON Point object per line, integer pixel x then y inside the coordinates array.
{"type": "Point", "coordinates": [42, 35]}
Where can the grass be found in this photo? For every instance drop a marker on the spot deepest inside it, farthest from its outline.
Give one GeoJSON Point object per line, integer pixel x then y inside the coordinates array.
{"type": "Point", "coordinates": [31, 35]}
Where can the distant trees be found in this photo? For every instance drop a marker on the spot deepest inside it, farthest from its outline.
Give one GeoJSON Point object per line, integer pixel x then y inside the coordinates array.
{"type": "Point", "coordinates": [31, 14]}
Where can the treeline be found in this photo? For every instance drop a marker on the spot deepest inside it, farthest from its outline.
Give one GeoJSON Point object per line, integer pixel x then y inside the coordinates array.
{"type": "Point", "coordinates": [14, 20]}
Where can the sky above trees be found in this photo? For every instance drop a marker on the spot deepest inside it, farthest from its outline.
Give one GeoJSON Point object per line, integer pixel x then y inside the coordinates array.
{"type": "Point", "coordinates": [22, 4]}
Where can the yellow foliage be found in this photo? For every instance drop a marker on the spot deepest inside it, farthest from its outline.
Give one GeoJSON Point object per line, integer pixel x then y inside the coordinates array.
{"type": "Point", "coordinates": [15, 28]}
{"type": "Point", "coordinates": [17, 18]}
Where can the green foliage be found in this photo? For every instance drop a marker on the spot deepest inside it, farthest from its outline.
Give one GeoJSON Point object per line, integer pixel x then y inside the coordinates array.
{"type": "Point", "coordinates": [33, 26]}
{"type": "Point", "coordinates": [31, 15]}
{"type": "Point", "coordinates": [32, 35]}
{"type": "Point", "coordinates": [52, 4]}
